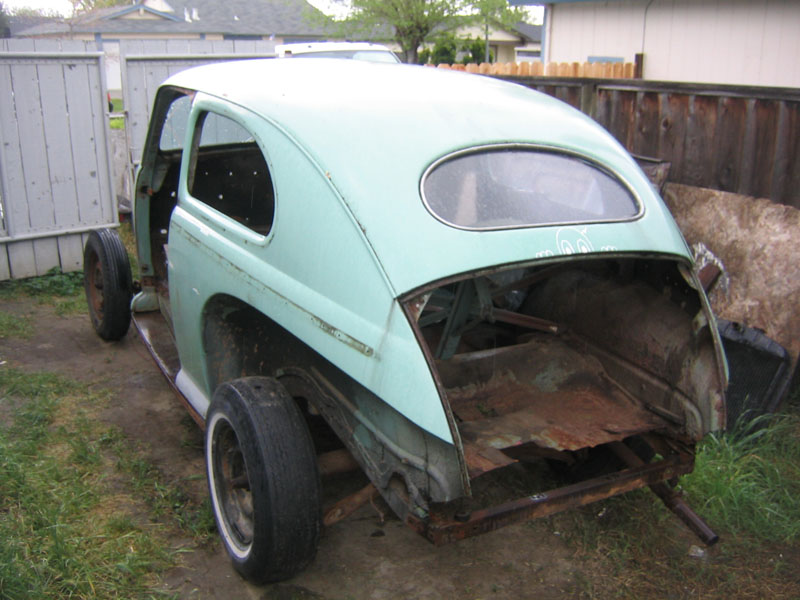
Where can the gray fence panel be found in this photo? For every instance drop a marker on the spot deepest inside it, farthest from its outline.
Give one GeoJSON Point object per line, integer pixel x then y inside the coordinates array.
{"type": "Point", "coordinates": [55, 169]}
{"type": "Point", "coordinates": [147, 63]}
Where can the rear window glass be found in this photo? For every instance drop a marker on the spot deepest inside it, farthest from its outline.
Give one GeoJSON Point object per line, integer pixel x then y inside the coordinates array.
{"type": "Point", "coordinates": [522, 187]}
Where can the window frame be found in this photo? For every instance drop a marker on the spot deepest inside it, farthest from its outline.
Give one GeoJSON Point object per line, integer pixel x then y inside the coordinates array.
{"type": "Point", "coordinates": [222, 222]}
{"type": "Point", "coordinates": [537, 148]}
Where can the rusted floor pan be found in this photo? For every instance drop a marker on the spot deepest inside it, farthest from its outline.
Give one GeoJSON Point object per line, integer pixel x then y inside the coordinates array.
{"type": "Point", "coordinates": [543, 393]}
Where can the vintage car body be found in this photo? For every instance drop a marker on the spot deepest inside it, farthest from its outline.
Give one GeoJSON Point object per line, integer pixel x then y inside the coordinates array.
{"type": "Point", "coordinates": [437, 346]}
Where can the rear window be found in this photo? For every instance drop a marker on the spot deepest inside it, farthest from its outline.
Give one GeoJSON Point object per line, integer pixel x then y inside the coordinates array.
{"type": "Point", "coordinates": [503, 188]}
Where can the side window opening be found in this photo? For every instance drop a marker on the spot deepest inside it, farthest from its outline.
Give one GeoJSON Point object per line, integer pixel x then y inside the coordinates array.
{"type": "Point", "coordinates": [174, 130]}
{"type": "Point", "coordinates": [228, 172]}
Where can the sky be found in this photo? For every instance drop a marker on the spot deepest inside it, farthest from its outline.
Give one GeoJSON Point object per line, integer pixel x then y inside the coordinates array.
{"type": "Point", "coordinates": [65, 8]}
{"type": "Point", "coordinates": [60, 6]}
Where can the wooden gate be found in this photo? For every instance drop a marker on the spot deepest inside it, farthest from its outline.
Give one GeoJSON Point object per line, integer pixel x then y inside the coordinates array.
{"type": "Point", "coordinates": [55, 168]}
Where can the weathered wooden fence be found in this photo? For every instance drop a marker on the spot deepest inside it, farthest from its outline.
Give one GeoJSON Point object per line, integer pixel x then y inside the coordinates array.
{"type": "Point", "coordinates": [739, 139]}
{"type": "Point", "coordinates": [55, 170]}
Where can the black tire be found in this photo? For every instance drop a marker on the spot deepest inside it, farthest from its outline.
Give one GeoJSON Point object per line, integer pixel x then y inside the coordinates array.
{"type": "Point", "coordinates": [263, 479]}
{"type": "Point", "coordinates": [108, 285]}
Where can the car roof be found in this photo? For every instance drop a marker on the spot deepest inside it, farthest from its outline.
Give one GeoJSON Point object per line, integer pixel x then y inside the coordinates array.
{"type": "Point", "coordinates": [311, 47]}
{"type": "Point", "coordinates": [374, 129]}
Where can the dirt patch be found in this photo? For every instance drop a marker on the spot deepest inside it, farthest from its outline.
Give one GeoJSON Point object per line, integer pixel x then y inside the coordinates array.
{"type": "Point", "coordinates": [370, 555]}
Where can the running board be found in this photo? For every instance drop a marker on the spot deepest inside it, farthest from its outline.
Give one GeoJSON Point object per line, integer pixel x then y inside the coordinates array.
{"type": "Point", "coordinates": [155, 334]}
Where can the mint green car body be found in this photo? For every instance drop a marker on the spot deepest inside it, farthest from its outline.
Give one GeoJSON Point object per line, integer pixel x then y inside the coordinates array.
{"type": "Point", "coordinates": [351, 241]}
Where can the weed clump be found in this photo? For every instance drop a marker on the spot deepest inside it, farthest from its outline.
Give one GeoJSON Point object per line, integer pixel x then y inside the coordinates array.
{"type": "Point", "coordinates": [748, 480]}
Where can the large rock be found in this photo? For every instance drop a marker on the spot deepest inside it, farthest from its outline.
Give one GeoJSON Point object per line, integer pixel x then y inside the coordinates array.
{"type": "Point", "coordinates": [758, 241]}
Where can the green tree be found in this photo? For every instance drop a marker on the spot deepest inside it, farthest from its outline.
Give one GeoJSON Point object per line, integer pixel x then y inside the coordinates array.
{"type": "Point", "coordinates": [445, 49]}
{"type": "Point", "coordinates": [475, 51]}
{"type": "Point", "coordinates": [414, 21]}
{"type": "Point", "coordinates": [494, 13]}
{"type": "Point", "coordinates": [4, 28]}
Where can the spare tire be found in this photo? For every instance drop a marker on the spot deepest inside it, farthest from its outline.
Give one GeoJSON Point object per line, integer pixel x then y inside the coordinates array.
{"type": "Point", "coordinates": [108, 285]}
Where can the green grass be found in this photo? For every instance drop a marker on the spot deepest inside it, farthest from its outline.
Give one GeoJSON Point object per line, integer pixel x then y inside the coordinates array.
{"type": "Point", "coordinates": [750, 483]}
{"type": "Point", "coordinates": [63, 291]}
{"type": "Point", "coordinates": [166, 500]}
{"type": "Point", "coordinates": [71, 525]}
{"type": "Point", "coordinates": [54, 283]}
{"type": "Point", "coordinates": [117, 122]}
{"type": "Point", "coordinates": [744, 486]}
{"type": "Point", "coordinates": [15, 326]}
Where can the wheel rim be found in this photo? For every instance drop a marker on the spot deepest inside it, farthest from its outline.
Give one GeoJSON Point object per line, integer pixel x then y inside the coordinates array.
{"type": "Point", "coordinates": [94, 288]}
{"type": "Point", "coordinates": [232, 485]}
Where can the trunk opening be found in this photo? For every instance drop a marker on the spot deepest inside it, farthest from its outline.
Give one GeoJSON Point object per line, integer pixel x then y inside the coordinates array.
{"type": "Point", "coordinates": [559, 361]}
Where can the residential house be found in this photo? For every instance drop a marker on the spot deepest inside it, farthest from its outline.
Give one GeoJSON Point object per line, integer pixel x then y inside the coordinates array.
{"type": "Point", "coordinates": [281, 21]}
{"type": "Point", "coordinates": [278, 20]}
{"type": "Point", "coordinates": [746, 42]}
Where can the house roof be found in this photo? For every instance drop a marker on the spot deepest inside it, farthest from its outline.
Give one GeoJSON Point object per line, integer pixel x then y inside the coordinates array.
{"type": "Point", "coordinates": [531, 33]}
{"type": "Point", "coordinates": [232, 17]}
{"type": "Point", "coordinates": [19, 23]}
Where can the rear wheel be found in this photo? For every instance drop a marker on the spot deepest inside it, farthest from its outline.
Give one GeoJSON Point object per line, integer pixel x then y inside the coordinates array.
{"type": "Point", "coordinates": [263, 479]}
{"type": "Point", "coordinates": [108, 285]}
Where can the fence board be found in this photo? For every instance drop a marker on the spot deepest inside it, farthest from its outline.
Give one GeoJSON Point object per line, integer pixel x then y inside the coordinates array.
{"type": "Point", "coordinates": [781, 158]}
{"type": "Point", "coordinates": [673, 113]}
{"type": "Point", "coordinates": [21, 259]}
{"type": "Point", "coordinates": [763, 151]}
{"type": "Point", "coordinates": [89, 194]}
{"type": "Point", "coordinates": [46, 45]}
{"type": "Point", "coordinates": [645, 133]}
{"type": "Point", "coordinates": [136, 106]}
{"type": "Point", "coordinates": [13, 183]}
{"type": "Point", "coordinates": [622, 114]}
{"type": "Point", "coordinates": [177, 47]}
{"type": "Point", "coordinates": [728, 143]}
{"type": "Point", "coordinates": [700, 139]}
{"type": "Point", "coordinates": [32, 150]}
{"type": "Point", "coordinates": [791, 184]}
{"type": "Point", "coordinates": [70, 252]}
{"type": "Point", "coordinates": [77, 46]}
{"type": "Point", "coordinates": [45, 252]}
{"type": "Point", "coordinates": [103, 172]}
{"type": "Point", "coordinates": [57, 144]}
{"type": "Point", "coordinates": [5, 270]}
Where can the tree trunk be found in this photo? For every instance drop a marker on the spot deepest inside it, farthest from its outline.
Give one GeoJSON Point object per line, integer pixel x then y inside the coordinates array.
{"type": "Point", "coordinates": [411, 49]}
{"type": "Point", "coordinates": [411, 56]}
